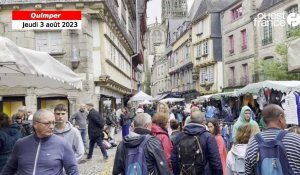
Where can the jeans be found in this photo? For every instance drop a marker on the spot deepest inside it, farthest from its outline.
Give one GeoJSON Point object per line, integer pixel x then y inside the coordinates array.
{"type": "Point", "coordinates": [99, 141]}
{"type": "Point", "coordinates": [83, 136]}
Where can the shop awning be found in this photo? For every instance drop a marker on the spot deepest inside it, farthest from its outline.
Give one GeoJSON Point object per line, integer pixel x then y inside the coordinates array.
{"type": "Point", "coordinates": [283, 86]}
{"type": "Point", "coordinates": [141, 96]}
{"type": "Point", "coordinates": [20, 67]}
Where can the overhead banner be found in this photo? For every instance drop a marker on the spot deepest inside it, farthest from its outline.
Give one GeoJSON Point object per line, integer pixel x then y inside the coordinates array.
{"type": "Point", "coordinates": [46, 20]}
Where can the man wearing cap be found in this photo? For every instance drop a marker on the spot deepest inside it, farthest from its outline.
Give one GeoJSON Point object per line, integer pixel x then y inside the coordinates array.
{"type": "Point", "coordinates": [95, 131]}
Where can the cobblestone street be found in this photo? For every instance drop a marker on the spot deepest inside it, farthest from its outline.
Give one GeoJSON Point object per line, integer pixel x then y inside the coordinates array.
{"type": "Point", "coordinates": [97, 165]}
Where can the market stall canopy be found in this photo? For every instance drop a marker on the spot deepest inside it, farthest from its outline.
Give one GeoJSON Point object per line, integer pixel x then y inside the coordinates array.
{"type": "Point", "coordinates": [140, 96]}
{"type": "Point", "coordinates": [146, 102]}
{"type": "Point", "coordinates": [224, 94]}
{"type": "Point", "coordinates": [202, 99]}
{"type": "Point", "coordinates": [283, 86]}
{"type": "Point", "coordinates": [20, 67]}
{"type": "Point", "coordinates": [171, 100]}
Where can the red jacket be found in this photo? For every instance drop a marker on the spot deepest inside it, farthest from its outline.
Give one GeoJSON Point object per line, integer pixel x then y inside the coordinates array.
{"type": "Point", "coordinates": [163, 137]}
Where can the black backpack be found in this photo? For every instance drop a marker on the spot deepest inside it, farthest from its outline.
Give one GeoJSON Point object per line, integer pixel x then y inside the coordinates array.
{"type": "Point", "coordinates": [190, 155]}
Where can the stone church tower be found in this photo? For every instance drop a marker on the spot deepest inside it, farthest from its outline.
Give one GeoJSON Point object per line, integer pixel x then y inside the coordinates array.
{"type": "Point", "coordinates": [173, 9]}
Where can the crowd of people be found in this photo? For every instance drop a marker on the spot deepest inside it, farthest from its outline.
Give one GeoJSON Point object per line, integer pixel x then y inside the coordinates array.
{"type": "Point", "coordinates": [190, 143]}
{"type": "Point", "coordinates": [161, 139]}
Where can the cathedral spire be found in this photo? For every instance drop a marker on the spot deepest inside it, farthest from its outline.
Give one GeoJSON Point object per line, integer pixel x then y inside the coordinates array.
{"type": "Point", "coordinates": [173, 9]}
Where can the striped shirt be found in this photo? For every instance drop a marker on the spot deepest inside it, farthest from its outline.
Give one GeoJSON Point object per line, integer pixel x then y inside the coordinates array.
{"type": "Point", "coordinates": [291, 142]}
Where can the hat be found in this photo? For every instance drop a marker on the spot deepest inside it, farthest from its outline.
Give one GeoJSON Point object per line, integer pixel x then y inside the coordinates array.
{"type": "Point", "coordinates": [140, 110]}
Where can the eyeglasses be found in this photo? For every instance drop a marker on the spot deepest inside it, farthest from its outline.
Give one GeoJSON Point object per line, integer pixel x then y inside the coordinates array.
{"type": "Point", "coordinates": [46, 123]}
{"type": "Point", "coordinates": [60, 113]}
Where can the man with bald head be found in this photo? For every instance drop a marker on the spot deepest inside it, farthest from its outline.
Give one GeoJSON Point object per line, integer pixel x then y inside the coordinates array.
{"type": "Point", "coordinates": [153, 150]}
{"type": "Point", "coordinates": [195, 133]}
{"type": "Point", "coordinates": [42, 152]}
{"type": "Point", "coordinates": [274, 117]}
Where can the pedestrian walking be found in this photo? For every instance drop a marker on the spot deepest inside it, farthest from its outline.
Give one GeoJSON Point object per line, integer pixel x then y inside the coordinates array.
{"type": "Point", "coordinates": [235, 162]}
{"type": "Point", "coordinates": [214, 129]}
{"type": "Point", "coordinates": [42, 153]}
{"type": "Point", "coordinates": [244, 117]}
{"type": "Point", "coordinates": [125, 122]}
{"type": "Point", "coordinates": [279, 149]}
{"type": "Point", "coordinates": [112, 123]}
{"type": "Point", "coordinates": [80, 118]}
{"type": "Point", "coordinates": [195, 150]}
{"type": "Point", "coordinates": [95, 131]}
{"type": "Point", "coordinates": [151, 157]}
{"type": "Point", "coordinates": [159, 130]}
{"type": "Point", "coordinates": [9, 133]}
{"type": "Point", "coordinates": [66, 130]}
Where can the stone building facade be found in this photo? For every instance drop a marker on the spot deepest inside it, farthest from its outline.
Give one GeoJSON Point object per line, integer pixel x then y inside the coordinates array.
{"type": "Point", "coordinates": [105, 53]}
{"type": "Point", "coordinates": [171, 9]}
{"type": "Point", "coordinates": [238, 43]}
{"type": "Point", "coordinates": [155, 44]}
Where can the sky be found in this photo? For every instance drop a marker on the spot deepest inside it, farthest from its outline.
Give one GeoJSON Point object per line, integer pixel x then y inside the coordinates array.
{"type": "Point", "coordinates": [154, 10]}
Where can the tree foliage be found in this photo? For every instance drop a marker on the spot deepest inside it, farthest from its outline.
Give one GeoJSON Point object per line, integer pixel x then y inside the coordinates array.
{"type": "Point", "coordinates": [277, 69]}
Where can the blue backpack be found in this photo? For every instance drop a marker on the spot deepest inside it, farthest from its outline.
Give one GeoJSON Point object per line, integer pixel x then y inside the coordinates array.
{"type": "Point", "coordinates": [136, 162]}
{"type": "Point", "coordinates": [272, 158]}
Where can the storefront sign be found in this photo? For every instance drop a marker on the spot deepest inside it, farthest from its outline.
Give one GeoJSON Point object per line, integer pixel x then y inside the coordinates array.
{"type": "Point", "coordinates": [46, 20]}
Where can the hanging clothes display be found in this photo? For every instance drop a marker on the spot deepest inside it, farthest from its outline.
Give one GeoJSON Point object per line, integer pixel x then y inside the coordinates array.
{"type": "Point", "coordinates": [291, 108]}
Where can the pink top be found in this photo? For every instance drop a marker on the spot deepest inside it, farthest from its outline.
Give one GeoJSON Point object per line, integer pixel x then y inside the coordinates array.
{"type": "Point", "coordinates": [222, 151]}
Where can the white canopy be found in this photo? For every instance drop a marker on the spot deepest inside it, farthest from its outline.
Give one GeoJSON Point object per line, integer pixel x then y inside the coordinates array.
{"type": "Point", "coordinates": [140, 96]}
{"type": "Point", "coordinates": [202, 99]}
{"type": "Point", "coordinates": [28, 68]}
{"type": "Point", "coordinates": [146, 102]}
{"type": "Point", "coordinates": [283, 86]}
{"type": "Point", "coordinates": [171, 100]}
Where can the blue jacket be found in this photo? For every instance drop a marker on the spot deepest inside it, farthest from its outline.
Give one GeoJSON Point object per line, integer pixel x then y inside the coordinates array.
{"type": "Point", "coordinates": [47, 156]}
{"type": "Point", "coordinates": [208, 145]}
{"type": "Point", "coordinates": [8, 137]}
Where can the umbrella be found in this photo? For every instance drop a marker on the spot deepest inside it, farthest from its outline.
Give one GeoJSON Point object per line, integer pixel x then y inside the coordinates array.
{"type": "Point", "coordinates": [20, 67]}
{"type": "Point", "coordinates": [140, 96]}
{"type": "Point", "coordinates": [171, 100]}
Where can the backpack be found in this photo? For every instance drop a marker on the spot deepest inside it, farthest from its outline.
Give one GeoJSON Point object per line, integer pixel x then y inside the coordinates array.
{"type": "Point", "coordinates": [271, 157]}
{"type": "Point", "coordinates": [239, 165]}
{"type": "Point", "coordinates": [136, 162]}
{"type": "Point", "coordinates": [190, 155]}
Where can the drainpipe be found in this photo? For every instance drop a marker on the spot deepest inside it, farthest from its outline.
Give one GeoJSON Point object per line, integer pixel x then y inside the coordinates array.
{"type": "Point", "coordinates": [131, 74]}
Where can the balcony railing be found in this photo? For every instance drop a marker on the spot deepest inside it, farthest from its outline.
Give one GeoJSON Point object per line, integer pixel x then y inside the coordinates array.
{"type": "Point", "coordinates": [231, 82]}
{"type": "Point", "coordinates": [244, 81]}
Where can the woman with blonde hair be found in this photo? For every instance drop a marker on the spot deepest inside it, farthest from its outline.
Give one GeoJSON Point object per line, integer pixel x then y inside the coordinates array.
{"type": "Point", "coordinates": [159, 130]}
{"type": "Point", "coordinates": [164, 108]}
{"type": "Point", "coordinates": [235, 163]}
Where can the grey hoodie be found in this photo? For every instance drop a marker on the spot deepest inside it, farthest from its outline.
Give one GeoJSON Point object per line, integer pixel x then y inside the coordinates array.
{"type": "Point", "coordinates": [73, 137]}
{"type": "Point", "coordinates": [238, 151]}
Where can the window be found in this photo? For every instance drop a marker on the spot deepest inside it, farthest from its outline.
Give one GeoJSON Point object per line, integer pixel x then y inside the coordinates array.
{"type": "Point", "coordinates": [49, 41]}
{"type": "Point", "coordinates": [231, 44]}
{"type": "Point", "coordinates": [290, 28]}
{"type": "Point", "coordinates": [231, 81]}
{"type": "Point", "coordinates": [200, 28]}
{"type": "Point", "coordinates": [210, 74]}
{"type": "Point", "coordinates": [203, 76]}
{"type": "Point", "coordinates": [205, 48]}
{"type": "Point", "coordinates": [236, 13]}
{"type": "Point", "coordinates": [267, 33]}
{"type": "Point", "coordinates": [198, 48]}
{"type": "Point", "coordinates": [244, 39]}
